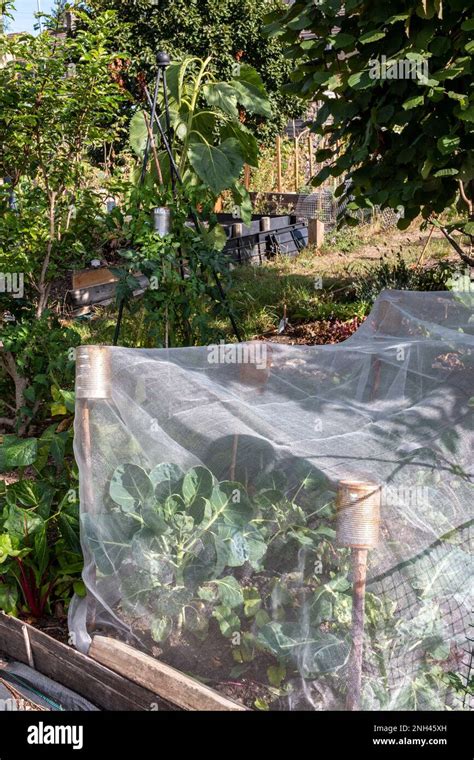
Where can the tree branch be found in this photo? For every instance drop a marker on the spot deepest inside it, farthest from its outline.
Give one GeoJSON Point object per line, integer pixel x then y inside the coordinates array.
{"type": "Point", "coordinates": [466, 200]}
{"type": "Point", "coordinates": [469, 260]}
{"type": "Point", "coordinates": [8, 362]}
{"type": "Point", "coordinates": [27, 422]}
{"type": "Point", "coordinates": [43, 288]}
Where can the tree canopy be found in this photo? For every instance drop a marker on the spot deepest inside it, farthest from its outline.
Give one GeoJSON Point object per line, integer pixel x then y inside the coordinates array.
{"type": "Point", "coordinates": [231, 31]}
{"type": "Point", "coordinates": [397, 92]}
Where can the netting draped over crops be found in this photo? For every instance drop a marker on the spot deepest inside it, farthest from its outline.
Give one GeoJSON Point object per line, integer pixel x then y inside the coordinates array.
{"type": "Point", "coordinates": [208, 513]}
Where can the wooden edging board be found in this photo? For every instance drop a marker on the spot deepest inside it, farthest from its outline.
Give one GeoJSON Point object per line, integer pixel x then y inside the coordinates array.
{"type": "Point", "coordinates": [102, 686]}
{"type": "Point", "coordinates": [169, 683]}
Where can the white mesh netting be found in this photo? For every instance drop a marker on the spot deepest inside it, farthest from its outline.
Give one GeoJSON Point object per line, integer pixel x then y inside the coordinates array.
{"type": "Point", "coordinates": [208, 511]}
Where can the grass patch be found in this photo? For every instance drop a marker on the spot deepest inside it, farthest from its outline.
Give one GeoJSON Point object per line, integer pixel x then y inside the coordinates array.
{"type": "Point", "coordinates": [316, 285]}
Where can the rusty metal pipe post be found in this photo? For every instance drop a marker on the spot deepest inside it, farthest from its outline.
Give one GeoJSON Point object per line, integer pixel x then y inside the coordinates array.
{"type": "Point", "coordinates": [358, 521]}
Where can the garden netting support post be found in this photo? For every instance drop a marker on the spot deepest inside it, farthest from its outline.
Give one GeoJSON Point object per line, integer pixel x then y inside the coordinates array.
{"type": "Point", "coordinates": [358, 518]}
{"type": "Point", "coordinates": [93, 384]}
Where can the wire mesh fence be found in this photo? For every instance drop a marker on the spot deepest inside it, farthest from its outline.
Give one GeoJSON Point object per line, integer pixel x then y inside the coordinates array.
{"type": "Point", "coordinates": [323, 205]}
{"type": "Point", "coordinates": [430, 594]}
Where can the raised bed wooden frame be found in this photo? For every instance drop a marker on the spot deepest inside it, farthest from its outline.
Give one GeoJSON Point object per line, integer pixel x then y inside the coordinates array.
{"type": "Point", "coordinates": [114, 677]}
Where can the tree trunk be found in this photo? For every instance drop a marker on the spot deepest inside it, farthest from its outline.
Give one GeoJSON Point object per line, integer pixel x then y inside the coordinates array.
{"type": "Point", "coordinates": [43, 286]}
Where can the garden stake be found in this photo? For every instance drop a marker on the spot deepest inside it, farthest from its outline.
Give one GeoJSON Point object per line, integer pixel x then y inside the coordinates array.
{"type": "Point", "coordinates": [93, 383]}
{"type": "Point", "coordinates": [150, 139]}
{"type": "Point", "coordinates": [278, 158]}
{"type": "Point", "coordinates": [358, 518]}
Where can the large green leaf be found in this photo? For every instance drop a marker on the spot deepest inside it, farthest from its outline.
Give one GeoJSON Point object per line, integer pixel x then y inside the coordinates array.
{"type": "Point", "coordinates": [242, 199]}
{"type": "Point", "coordinates": [173, 80]}
{"type": "Point", "coordinates": [165, 479]}
{"type": "Point", "coordinates": [102, 535]}
{"type": "Point", "coordinates": [236, 546]}
{"type": "Point", "coordinates": [315, 652]}
{"type": "Point", "coordinates": [222, 95]}
{"type": "Point", "coordinates": [204, 123]}
{"type": "Point", "coordinates": [248, 143]}
{"type": "Point", "coordinates": [22, 523]}
{"type": "Point", "coordinates": [41, 552]}
{"type": "Point", "coordinates": [8, 598]}
{"type": "Point", "coordinates": [35, 495]}
{"type": "Point", "coordinates": [138, 133]}
{"type": "Point", "coordinates": [198, 482]}
{"type": "Point", "coordinates": [130, 487]}
{"type": "Point", "coordinates": [227, 590]}
{"type": "Point", "coordinates": [251, 91]}
{"type": "Point", "coordinates": [217, 166]}
{"type": "Point", "coordinates": [283, 639]}
{"type": "Point", "coordinates": [6, 548]}
{"type": "Point", "coordinates": [154, 519]}
{"type": "Point", "coordinates": [69, 526]}
{"type": "Point", "coordinates": [326, 654]}
{"type": "Point", "coordinates": [17, 452]}
{"type": "Point", "coordinates": [230, 500]}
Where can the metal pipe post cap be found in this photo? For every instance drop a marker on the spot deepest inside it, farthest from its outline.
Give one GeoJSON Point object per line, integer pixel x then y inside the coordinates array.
{"type": "Point", "coordinates": [93, 372]}
{"type": "Point", "coordinates": [358, 514]}
{"type": "Point", "coordinates": [163, 58]}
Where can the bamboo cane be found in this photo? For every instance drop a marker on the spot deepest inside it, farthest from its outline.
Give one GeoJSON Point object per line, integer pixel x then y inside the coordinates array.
{"type": "Point", "coordinates": [310, 152]}
{"type": "Point", "coordinates": [278, 158]}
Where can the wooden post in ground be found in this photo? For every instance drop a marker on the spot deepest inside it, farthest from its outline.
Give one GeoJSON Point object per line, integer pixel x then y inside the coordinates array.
{"type": "Point", "coordinates": [297, 158]}
{"type": "Point", "coordinates": [315, 232]}
{"type": "Point", "coordinates": [358, 520]}
{"type": "Point", "coordinates": [247, 177]}
{"type": "Point", "coordinates": [278, 159]}
{"type": "Point", "coordinates": [237, 231]}
{"type": "Point", "coordinates": [310, 152]}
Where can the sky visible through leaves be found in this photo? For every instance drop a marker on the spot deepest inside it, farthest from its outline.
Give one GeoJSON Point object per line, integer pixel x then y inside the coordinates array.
{"type": "Point", "coordinates": [24, 15]}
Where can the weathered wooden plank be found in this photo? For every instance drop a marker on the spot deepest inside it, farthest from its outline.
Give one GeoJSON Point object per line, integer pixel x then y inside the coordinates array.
{"type": "Point", "coordinates": [84, 675]}
{"type": "Point", "coordinates": [98, 293]}
{"type": "Point", "coordinates": [169, 683]}
{"type": "Point", "coordinates": [87, 278]}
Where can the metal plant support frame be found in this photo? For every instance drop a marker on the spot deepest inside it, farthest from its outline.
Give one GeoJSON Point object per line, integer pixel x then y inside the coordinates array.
{"type": "Point", "coordinates": [163, 61]}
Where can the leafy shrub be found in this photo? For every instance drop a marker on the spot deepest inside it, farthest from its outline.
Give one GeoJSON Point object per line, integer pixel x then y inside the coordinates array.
{"type": "Point", "coordinates": [40, 552]}
{"type": "Point", "coordinates": [256, 569]}
{"type": "Point", "coordinates": [402, 138]}
{"type": "Point", "coordinates": [399, 275]}
{"type": "Point", "coordinates": [36, 354]}
{"type": "Point", "coordinates": [211, 143]}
